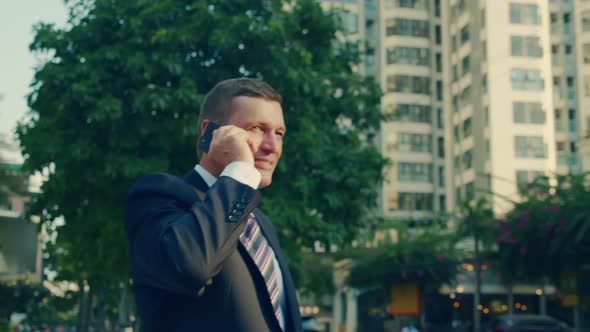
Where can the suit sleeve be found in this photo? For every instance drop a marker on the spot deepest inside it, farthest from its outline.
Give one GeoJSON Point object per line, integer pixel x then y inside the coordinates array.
{"type": "Point", "coordinates": [178, 242]}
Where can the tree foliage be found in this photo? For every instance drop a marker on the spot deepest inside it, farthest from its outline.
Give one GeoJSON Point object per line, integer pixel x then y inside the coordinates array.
{"type": "Point", "coordinates": [34, 300]}
{"type": "Point", "coordinates": [427, 256]}
{"type": "Point", "coordinates": [119, 98]}
{"type": "Point", "coordinates": [548, 231]}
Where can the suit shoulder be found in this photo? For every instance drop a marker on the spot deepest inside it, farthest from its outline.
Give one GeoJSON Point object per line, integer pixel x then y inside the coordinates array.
{"type": "Point", "coordinates": [160, 184]}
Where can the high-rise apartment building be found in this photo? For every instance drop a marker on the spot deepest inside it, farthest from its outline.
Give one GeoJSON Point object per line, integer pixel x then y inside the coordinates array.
{"type": "Point", "coordinates": [581, 18]}
{"type": "Point", "coordinates": [499, 103]}
{"type": "Point", "coordinates": [488, 94]}
{"type": "Point", "coordinates": [568, 116]}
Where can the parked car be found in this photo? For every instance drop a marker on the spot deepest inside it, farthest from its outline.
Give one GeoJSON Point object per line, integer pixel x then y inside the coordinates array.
{"type": "Point", "coordinates": [528, 323]}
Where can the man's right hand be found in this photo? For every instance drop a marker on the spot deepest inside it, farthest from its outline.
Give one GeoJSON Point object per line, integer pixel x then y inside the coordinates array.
{"type": "Point", "coordinates": [228, 144]}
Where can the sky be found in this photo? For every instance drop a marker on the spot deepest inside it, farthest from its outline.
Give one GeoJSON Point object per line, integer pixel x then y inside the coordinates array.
{"type": "Point", "coordinates": [17, 63]}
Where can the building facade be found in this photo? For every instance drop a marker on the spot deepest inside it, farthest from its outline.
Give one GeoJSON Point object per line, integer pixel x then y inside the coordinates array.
{"type": "Point", "coordinates": [487, 94]}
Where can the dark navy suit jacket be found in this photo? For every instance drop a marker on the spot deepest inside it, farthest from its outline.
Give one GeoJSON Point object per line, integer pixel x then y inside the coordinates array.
{"type": "Point", "coordinates": [190, 271]}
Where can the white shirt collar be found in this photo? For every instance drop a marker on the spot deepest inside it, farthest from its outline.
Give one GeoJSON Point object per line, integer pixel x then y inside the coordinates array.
{"type": "Point", "coordinates": [208, 177]}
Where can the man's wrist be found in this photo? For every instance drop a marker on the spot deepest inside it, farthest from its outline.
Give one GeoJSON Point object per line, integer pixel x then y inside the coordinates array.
{"type": "Point", "coordinates": [243, 172]}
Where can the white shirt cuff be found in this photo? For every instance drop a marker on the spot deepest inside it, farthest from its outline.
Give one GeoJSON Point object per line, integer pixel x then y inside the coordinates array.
{"type": "Point", "coordinates": [243, 172]}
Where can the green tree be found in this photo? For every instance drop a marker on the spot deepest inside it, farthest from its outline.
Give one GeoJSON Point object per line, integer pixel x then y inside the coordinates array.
{"type": "Point", "coordinates": [119, 98]}
{"type": "Point", "coordinates": [427, 255]}
{"type": "Point", "coordinates": [34, 300]}
{"type": "Point", "coordinates": [548, 230]}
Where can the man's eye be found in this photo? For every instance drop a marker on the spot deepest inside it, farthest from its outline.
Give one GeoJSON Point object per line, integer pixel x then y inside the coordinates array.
{"type": "Point", "coordinates": [280, 133]}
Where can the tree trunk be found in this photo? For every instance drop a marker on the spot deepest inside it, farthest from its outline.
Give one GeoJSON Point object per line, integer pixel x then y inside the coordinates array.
{"type": "Point", "coordinates": [123, 320]}
{"type": "Point", "coordinates": [510, 299]}
{"type": "Point", "coordinates": [85, 307]}
{"type": "Point", "coordinates": [99, 314]}
{"type": "Point", "coordinates": [81, 307]}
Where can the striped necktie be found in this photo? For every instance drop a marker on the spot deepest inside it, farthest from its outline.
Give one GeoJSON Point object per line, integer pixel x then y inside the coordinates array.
{"type": "Point", "coordinates": [262, 254]}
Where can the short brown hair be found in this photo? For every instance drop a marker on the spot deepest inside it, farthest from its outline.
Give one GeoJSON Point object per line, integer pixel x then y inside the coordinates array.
{"type": "Point", "coordinates": [216, 105]}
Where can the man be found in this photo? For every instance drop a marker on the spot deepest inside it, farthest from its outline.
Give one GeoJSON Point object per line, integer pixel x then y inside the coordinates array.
{"type": "Point", "coordinates": [202, 257]}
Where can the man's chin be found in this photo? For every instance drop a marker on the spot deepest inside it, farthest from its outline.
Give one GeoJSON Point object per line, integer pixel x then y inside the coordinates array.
{"type": "Point", "coordinates": [265, 181]}
{"type": "Point", "coordinates": [266, 178]}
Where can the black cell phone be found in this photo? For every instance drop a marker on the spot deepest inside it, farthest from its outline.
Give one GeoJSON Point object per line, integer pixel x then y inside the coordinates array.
{"type": "Point", "coordinates": [205, 141]}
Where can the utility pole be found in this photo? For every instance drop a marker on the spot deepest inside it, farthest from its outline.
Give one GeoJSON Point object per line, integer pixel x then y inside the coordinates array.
{"type": "Point", "coordinates": [477, 270]}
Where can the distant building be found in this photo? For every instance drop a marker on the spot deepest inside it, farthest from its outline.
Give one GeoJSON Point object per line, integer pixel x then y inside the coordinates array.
{"type": "Point", "coordinates": [20, 250]}
{"type": "Point", "coordinates": [488, 94]}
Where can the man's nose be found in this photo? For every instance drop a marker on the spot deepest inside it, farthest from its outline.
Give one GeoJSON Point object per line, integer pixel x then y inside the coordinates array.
{"type": "Point", "coordinates": [271, 143]}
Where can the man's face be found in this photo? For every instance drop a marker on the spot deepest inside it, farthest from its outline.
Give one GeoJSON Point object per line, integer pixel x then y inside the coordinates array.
{"type": "Point", "coordinates": [263, 120]}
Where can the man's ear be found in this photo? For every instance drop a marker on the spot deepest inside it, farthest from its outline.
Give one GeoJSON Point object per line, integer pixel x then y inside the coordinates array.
{"type": "Point", "coordinates": [203, 125]}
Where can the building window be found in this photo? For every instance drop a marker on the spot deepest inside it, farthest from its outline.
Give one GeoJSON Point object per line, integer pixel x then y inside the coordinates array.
{"type": "Point", "coordinates": [439, 118]}
{"type": "Point", "coordinates": [529, 147]}
{"type": "Point", "coordinates": [455, 103]}
{"type": "Point", "coordinates": [556, 82]}
{"type": "Point", "coordinates": [465, 96]}
{"type": "Point", "coordinates": [408, 84]}
{"type": "Point", "coordinates": [586, 53]}
{"type": "Point", "coordinates": [464, 34]}
{"type": "Point", "coordinates": [568, 49]}
{"type": "Point", "coordinates": [468, 159]}
{"type": "Point", "coordinates": [524, 177]}
{"type": "Point", "coordinates": [586, 21]}
{"type": "Point", "coordinates": [349, 22]}
{"type": "Point", "coordinates": [414, 172]}
{"type": "Point", "coordinates": [442, 202]}
{"type": "Point", "coordinates": [527, 79]}
{"type": "Point", "coordinates": [571, 114]}
{"type": "Point", "coordinates": [469, 191]}
{"type": "Point", "coordinates": [436, 8]}
{"type": "Point", "coordinates": [406, 27]}
{"type": "Point", "coordinates": [528, 112]}
{"type": "Point", "coordinates": [524, 13]}
{"type": "Point", "coordinates": [413, 113]}
{"type": "Point", "coordinates": [465, 65]}
{"type": "Point", "coordinates": [526, 46]}
{"type": "Point", "coordinates": [570, 81]}
{"type": "Point", "coordinates": [407, 142]}
{"type": "Point", "coordinates": [392, 200]}
{"type": "Point", "coordinates": [408, 55]}
{"type": "Point", "coordinates": [441, 176]}
{"type": "Point", "coordinates": [439, 63]}
{"type": "Point", "coordinates": [441, 147]}
{"type": "Point", "coordinates": [413, 4]}
{"type": "Point", "coordinates": [415, 201]}
{"type": "Point", "coordinates": [437, 35]}
{"type": "Point", "coordinates": [439, 90]}
{"type": "Point", "coordinates": [467, 127]}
